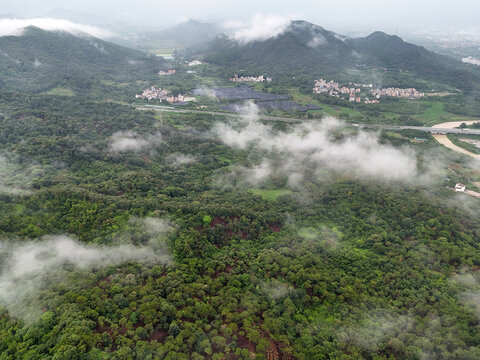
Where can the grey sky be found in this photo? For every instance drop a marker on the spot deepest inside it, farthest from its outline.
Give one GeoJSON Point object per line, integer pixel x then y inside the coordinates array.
{"type": "Point", "coordinates": [339, 15]}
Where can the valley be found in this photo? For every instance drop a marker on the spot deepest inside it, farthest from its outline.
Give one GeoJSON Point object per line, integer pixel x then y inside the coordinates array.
{"type": "Point", "coordinates": [162, 207]}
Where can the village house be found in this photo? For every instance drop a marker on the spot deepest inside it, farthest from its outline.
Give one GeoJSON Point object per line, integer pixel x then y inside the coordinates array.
{"type": "Point", "coordinates": [168, 72]}
{"type": "Point", "coordinates": [163, 95]}
{"type": "Point", "coordinates": [194, 63]}
{"type": "Point", "coordinates": [354, 94]}
{"type": "Point", "coordinates": [410, 93]}
{"type": "Point", "coordinates": [256, 79]}
{"type": "Point", "coordinates": [459, 187]}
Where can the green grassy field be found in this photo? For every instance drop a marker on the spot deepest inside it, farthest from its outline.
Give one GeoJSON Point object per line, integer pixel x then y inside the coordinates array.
{"type": "Point", "coordinates": [270, 195]}
{"type": "Point", "coordinates": [61, 91]}
{"type": "Point", "coordinates": [332, 110]}
{"type": "Point", "coordinates": [434, 112]}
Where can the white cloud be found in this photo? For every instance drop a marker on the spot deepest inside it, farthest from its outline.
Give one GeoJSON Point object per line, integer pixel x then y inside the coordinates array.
{"type": "Point", "coordinates": [261, 27]}
{"type": "Point", "coordinates": [310, 148]}
{"type": "Point", "coordinates": [471, 60]}
{"type": "Point", "coordinates": [276, 289]}
{"type": "Point", "coordinates": [15, 27]}
{"type": "Point", "coordinates": [469, 290]}
{"type": "Point", "coordinates": [26, 267]}
{"type": "Point", "coordinates": [317, 40]}
{"type": "Point", "coordinates": [17, 175]}
{"type": "Point", "coordinates": [180, 159]}
{"type": "Point", "coordinates": [130, 141]}
{"type": "Point", "coordinates": [378, 328]}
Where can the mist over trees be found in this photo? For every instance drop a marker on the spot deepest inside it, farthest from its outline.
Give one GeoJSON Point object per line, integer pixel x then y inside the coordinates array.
{"type": "Point", "coordinates": [303, 233]}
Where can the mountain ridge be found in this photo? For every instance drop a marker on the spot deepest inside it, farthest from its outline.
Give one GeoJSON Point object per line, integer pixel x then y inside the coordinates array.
{"type": "Point", "coordinates": [307, 49]}
{"type": "Point", "coordinates": [40, 60]}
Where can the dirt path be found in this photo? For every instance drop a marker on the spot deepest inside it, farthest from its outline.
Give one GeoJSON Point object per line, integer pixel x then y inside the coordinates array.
{"type": "Point", "coordinates": [454, 124]}
{"type": "Point", "coordinates": [476, 183]}
{"type": "Point", "coordinates": [472, 193]}
{"type": "Point", "coordinates": [445, 141]}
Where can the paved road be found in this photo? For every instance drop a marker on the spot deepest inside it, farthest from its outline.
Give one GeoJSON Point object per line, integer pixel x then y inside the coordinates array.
{"type": "Point", "coordinates": [432, 130]}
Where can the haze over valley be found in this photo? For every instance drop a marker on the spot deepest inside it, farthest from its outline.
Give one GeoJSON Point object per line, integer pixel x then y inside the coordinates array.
{"type": "Point", "coordinates": [223, 180]}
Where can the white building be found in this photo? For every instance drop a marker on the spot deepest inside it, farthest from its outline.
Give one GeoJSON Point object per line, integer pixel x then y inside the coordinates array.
{"type": "Point", "coordinates": [194, 63]}
{"type": "Point", "coordinates": [460, 187]}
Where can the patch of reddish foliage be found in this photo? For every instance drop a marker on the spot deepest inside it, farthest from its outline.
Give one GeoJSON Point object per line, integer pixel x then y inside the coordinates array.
{"type": "Point", "coordinates": [108, 279]}
{"type": "Point", "coordinates": [104, 329]}
{"type": "Point", "coordinates": [158, 335]}
{"type": "Point", "coordinates": [147, 159]}
{"type": "Point", "coordinates": [229, 227]}
{"type": "Point", "coordinates": [272, 352]}
{"type": "Point", "coordinates": [220, 220]}
{"type": "Point", "coordinates": [243, 342]}
{"type": "Point", "coordinates": [138, 324]}
{"type": "Point", "coordinates": [275, 227]}
{"type": "Point", "coordinates": [228, 270]}
{"type": "Point", "coordinates": [275, 351]}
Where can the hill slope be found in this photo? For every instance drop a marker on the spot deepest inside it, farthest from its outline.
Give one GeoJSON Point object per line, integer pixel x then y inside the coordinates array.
{"type": "Point", "coordinates": [41, 60]}
{"type": "Point", "coordinates": [310, 50]}
{"type": "Point", "coordinates": [184, 34]}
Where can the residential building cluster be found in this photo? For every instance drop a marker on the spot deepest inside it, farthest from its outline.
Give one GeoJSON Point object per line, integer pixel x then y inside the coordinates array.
{"type": "Point", "coordinates": [355, 93]}
{"type": "Point", "coordinates": [333, 88]}
{"type": "Point", "coordinates": [361, 85]}
{"type": "Point", "coordinates": [368, 101]}
{"type": "Point", "coordinates": [153, 94]}
{"type": "Point", "coordinates": [163, 95]}
{"type": "Point", "coordinates": [257, 79]}
{"type": "Point", "coordinates": [168, 72]}
{"type": "Point", "coordinates": [410, 93]}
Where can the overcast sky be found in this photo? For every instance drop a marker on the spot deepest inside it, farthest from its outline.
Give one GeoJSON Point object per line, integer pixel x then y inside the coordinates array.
{"type": "Point", "coordinates": [402, 16]}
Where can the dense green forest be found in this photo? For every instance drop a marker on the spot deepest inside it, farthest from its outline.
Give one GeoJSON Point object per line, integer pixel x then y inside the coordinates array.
{"type": "Point", "coordinates": [337, 269]}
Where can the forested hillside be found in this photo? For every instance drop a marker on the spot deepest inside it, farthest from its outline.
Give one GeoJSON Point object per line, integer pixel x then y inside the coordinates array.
{"type": "Point", "coordinates": [334, 267]}
{"type": "Point", "coordinates": [42, 61]}
{"type": "Point", "coordinates": [309, 51]}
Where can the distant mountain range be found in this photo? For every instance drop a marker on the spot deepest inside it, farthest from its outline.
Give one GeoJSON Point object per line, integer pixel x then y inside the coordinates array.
{"type": "Point", "coordinates": [40, 60]}
{"type": "Point", "coordinates": [9, 16]}
{"type": "Point", "coordinates": [305, 49]}
{"type": "Point", "coordinates": [182, 35]}
{"type": "Point", "coordinates": [190, 32]}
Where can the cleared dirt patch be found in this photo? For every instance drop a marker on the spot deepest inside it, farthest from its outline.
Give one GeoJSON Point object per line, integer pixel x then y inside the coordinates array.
{"type": "Point", "coordinates": [445, 141]}
{"type": "Point", "coordinates": [442, 139]}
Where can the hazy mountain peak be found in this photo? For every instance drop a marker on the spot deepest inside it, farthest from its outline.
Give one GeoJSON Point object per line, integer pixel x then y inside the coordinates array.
{"type": "Point", "coordinates": [9, 16]}
{"type": "Point", "coordinates": [382, 36]}
{"type": "Point", "coordinates": [16, 27]}
{"type": "Point", "coordinates": [77, 17]}
{"type": "Point", "coordinates": [52, 57]}
{"type": "Point", "coordinates": [303, 47]}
